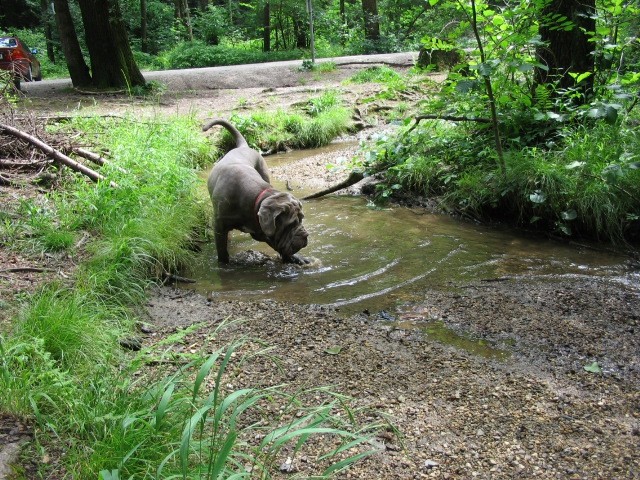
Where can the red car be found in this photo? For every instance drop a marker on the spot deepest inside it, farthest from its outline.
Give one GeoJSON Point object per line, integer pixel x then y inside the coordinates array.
{"type": "Point", "coordinates": [17, 58]}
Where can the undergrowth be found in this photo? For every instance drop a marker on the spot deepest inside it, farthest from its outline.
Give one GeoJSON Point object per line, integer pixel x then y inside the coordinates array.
{"type": "Point", "coordinates": [586, 182]}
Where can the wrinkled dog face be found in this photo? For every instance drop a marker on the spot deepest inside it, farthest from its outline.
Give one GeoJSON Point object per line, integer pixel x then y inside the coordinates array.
{"type": "Point", "coordinates": [281, 220]}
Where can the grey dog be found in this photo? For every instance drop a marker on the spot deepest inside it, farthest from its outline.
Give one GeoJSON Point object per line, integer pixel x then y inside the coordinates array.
{"type": "Point", "coordinates": [243, 199]}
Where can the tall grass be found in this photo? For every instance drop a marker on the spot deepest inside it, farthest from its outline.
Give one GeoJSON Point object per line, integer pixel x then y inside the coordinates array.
{"type": "Point", "coordinates": [61, 363]}
{"type": "Point", "coordinates": [587, 183]}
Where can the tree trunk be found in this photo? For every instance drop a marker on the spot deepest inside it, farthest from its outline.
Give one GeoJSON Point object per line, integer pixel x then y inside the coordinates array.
{"type": "Point", "coordinates": [47, 20]}
{"type": "Point", "coordinates": [144, 31]}
{"type": "Point", "coordinates": [266, 27]}
{"type": "Point", "coordinates": [112, 62]}
{"type": "Point", "coordinates": [78, 69]}
{"type": "Point", "coordinates": [300, 33]}
{"type": "Point", "coordinates": [371, 23]}
{"type": "Point", "coordinates": [567, 50]}
{"type": "Point", "coordinates": [182, 14]}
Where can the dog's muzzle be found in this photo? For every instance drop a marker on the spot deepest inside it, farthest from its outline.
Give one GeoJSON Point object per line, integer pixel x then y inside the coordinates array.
{"type": "Point", "coordinates": [292, 240]}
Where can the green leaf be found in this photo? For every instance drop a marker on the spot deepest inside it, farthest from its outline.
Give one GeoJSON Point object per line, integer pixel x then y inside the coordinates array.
{"type": "Point", "coordinates": [498, 20]}
{"type": "Point", "coordinates": [579, 77]}
{"type": "Point", "coordinates": [573, 165]}
{"type": "Point", "coordinates": [333, 350]}
{"type": "Point", "coordinates": [538, 197]}
{"type": "Point", "coordinates": [569, 215]}
{"type": "Point", "coordinates": [485, 69]}
{"type": "Point", "coordinates": [593, 368]}
{"type": "Point", "coordinates": [564, 228]}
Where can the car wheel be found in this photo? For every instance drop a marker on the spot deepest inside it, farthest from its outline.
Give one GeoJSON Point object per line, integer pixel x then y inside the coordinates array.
{"type": "Point", "coordinates": [39, 77]}
{"type": "Point", "coordinates": [16, 82]}
{"type": "Point", "coordinates": [29, 76]}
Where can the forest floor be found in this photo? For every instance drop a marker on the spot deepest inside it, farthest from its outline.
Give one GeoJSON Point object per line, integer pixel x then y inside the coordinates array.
{"type": "Point", "coordinates": [531, 412]}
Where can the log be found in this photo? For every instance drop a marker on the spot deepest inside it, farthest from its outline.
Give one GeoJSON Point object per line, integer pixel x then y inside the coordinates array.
{"type": "Point", "coordinates": [26, 269]}
{"type": "Point", "coordinates": [353, 178]}
{"type": "Point", "coordinates": [55, 154]}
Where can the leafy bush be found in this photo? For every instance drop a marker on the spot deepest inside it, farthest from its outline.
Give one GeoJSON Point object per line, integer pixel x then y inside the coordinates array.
{"type": "Point", "coordinates": [198, 54]}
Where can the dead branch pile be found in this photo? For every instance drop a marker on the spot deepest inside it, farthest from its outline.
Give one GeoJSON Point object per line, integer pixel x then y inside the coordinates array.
{"type": "Point", "coordinates": [26, 149]}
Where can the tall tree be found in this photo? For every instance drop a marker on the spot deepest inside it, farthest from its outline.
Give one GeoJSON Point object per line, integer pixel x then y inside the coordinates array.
{"type": "Point", "coordinates": [78, 69]}
{"type": "Point", "coordinates": [266, 26]}
{"type": "Point", "coordinates": [371, 20]}
{"type": "Point", "coordinates": [112, 62]}
{"type": "Point", "coordinates": [183, 15]}
{"type": "Point", "coordinates": [47, 21]}
{"type": "Point", "coordinates": [565, 29]}
{"type": "Point", "coordinates": [144, 30]}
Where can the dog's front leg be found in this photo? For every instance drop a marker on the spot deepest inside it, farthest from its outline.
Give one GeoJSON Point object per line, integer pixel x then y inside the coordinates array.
{"type": "Point", "coordinates": [222, 239]}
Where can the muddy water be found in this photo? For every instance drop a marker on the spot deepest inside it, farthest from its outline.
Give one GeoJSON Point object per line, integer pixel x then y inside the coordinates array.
{"type": "Point", "coordinates": [382, 260]}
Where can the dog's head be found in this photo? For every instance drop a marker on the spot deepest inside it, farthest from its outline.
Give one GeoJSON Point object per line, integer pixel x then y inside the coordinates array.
{"type": "Point", "coordinates": [280, 216]}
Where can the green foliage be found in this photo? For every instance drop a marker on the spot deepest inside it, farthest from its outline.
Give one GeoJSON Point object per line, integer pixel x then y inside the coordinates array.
{"type": "Point", "coordinates": [189, 425]}
{"type": "Point", "coordinates": [384, 75]}
{"type": "Point", "coordinates": [318, 123]}
{"type": "Point", "coordinates": [198, 54]}
{"type": "Point", "coordinates": [557, 175]}
{"type": "Point", "coordinates": [587, 184]}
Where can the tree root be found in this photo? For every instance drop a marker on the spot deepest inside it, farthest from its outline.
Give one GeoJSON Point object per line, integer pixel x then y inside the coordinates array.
{"type": "Point", "coordinates": [353, 178]}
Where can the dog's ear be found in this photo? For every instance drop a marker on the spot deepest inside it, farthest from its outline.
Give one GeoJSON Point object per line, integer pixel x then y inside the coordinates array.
{"type": "Point", "coordinates": [275, 205]}
{"type": "Point", "coordinates": [267, 216]}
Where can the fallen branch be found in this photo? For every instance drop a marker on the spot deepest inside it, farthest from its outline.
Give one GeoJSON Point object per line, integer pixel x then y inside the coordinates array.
{"type": "Point", "coordinates": [26, 269]}
{"type": "Point", "coordinates": [95, 158]}
{"type": "Point", "coordinates": [55, 154]}
{"type": "Point", "coordinates": [7, 181]}
{"type": "Point", "coordinates": [353, 178]}
{"type": "Point", "coordinates": [450, 118]}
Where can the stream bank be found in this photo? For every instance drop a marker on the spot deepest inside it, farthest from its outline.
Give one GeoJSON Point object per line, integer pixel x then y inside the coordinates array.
{"type": "Point", "coordinates": [477, 377]}
{"type": "Point", "coordinates": [535, 413]}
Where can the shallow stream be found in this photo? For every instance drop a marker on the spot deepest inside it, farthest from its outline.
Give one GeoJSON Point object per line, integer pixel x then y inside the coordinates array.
{"type": "Point", "coordinates": [382, 260]}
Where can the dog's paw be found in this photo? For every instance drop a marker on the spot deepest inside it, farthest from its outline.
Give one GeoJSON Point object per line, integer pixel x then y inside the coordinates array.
{"type": "Point", "coordinates": [296, 259]}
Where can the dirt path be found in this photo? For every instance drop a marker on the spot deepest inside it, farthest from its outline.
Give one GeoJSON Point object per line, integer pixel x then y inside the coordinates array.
{"type": "Point", "coordinates": [531, 411]}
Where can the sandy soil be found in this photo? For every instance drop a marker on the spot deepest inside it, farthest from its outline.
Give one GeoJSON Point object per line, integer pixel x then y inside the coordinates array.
{"type": "Point", "coordinates": [530, 411]}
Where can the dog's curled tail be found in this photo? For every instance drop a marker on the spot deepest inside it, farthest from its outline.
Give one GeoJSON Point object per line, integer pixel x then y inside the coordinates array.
{"type": "Point", "coordinates": [237, 136]}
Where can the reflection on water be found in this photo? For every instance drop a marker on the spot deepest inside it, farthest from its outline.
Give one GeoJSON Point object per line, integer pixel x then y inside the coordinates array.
{"type": "Point", "coordinates": [377, 259]}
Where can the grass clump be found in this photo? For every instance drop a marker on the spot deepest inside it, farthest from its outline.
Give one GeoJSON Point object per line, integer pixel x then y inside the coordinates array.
{"type": "Point", "coordinates": [199, 54]}
{"type": "Point", "coordinates": [313, 125]}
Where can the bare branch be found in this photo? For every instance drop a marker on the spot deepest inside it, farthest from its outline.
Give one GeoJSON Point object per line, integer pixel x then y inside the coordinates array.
{"type": "Point", "coordinates": [354, 177]}
{"type": "Point", "coordinates": [450, 118]}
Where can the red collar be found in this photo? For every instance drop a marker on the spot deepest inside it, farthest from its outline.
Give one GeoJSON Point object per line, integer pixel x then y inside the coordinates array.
{"type": "Point", "coordinates": [259, 199]}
